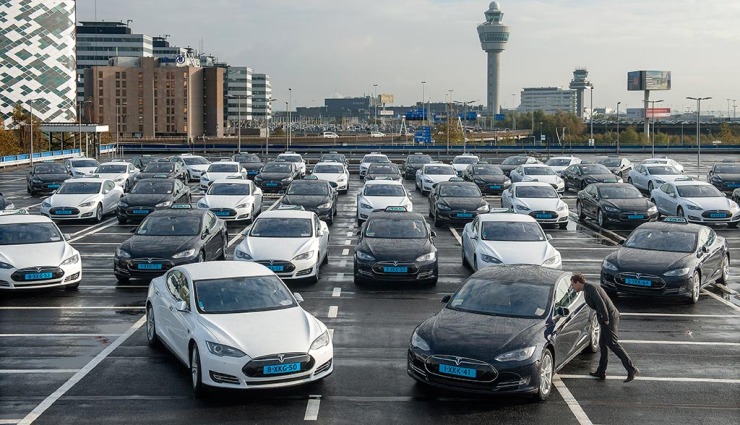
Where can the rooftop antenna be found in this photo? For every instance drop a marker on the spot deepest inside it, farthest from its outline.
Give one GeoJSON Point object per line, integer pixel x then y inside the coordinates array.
{"type": "Point", "coordinates": [128, 21]}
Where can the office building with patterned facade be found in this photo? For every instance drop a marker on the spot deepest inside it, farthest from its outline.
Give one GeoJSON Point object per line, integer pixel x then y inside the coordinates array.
{"type": "Point", "coordinates": [38, 58]}
{"type": "Point", "coordinates": [239, 96]}
{"type": "Point", "coordinates": [261, 97]}
{"type": "Point", "coordinates": [549, 100]}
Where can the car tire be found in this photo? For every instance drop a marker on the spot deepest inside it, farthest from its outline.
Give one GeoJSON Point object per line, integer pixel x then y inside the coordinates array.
{"type": "Point", "coordinates": [463, 260]}
{"type": "Point", "coordinates": [189, 177]}
{"type": "Point", "coordinates": [565, 185]}
{"type": "Point", "coordinates": [151, 328]}
{"type": "Point", "coordinates": [201, 257]}
{"type": "Point", "coordinates": [724, 277]}
{"type": "Point", "coordinates": [28, 189]}
{"type": "Point", "coordinates": [98, 214]}
{"type": "Point", "coordinates": [122, 220]}
{"type": "Point", "coordinates": [579, 212]}
{"type": "Point", "coordinates": [126, 187]}
{"type": "Point", "coordinates": [225, 245]}
{"type": "Point", "coordinates": [629, 180]}
{"type": "Point", "coordinates": [563, 225]}
{"type": "Point", "coordinates": [432, 282]}
{"type": "Point", "coordinates": [437, 222]}
{"type": "Point", "coordinates": [122, 279]}
{"type": "Point", "coordinates": [196, 373]}
{"type": "Point", "coordinates": [594, 334]}
{"type": "Point", "coordinates": [602, 219]}
{"type": "Point", "coordinates": [583, 185]}
{"type": "Point", "coordinates": [330, 219]}
{"type": "Point", "coordinates": [326, 259]}
{"type": "Point", "coordinates": [733, 225]}
{"type": "Point", "coordinates": [694, 288]}
{"type": "Point", "coordinates": [546, 370]}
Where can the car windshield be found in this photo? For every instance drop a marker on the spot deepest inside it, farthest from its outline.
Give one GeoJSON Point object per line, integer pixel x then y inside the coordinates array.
{"type": "Point", "coordinates": [223, 168]}
{"type": "Point", "coordinates": [219, 188]}
{"type": "Point", "coordinates": [179, 225]}
{"type": "Point", "coordinates": [79, 188]}
{"type": "Point", "coordinates": [242, 294]}
{"type": "Point", "coordinates": [282, 228]}
{"type": "Point", "coordinates": [727, 169]}
{"type": "Point", "coordinates": [490, 170]}
{"type": "Point", "coordinates": [308, 188]}
{"type": "Point", "coordinates": [699, 191]}
{"type": "Point", "coordinates": [112, 169]}
{"type": "Point", "coordinates": [333, 157]}
{"type": "Point", "coordinates": [290, 158]}
{"type": "Point", "coordinates": [515, 160]}
{"type": "Point", "coordinates": [328, 169]}
{"type": "Point", "coordinates": [662, 170]}
{"type": "Point", "coordinates": [512, 297]}
{"type": "Point", "coordinates": [151, 187]}
{"type": "Point", "coordinates": [247, 158]}
{"type": "Point", "coordinates": [84, 163]}
{"type": "Point", "coordinates": [384, 190]}
{"type": "Point", "coordinates": [538, 171]}
{"type": "Point", "coordinates": [27, 233]}
{"type": "Point", "coordinates": [460, 191]}
{"type": "Point", "coordinates": [444, 170]}
{"type": "Point", "coordinates": [277, 168]}
{"type": "Point", "coordinates": [375, 158]}
{"type": "Point", "coordinates": [558, 162]}
{"type": "Point", "coordinates": [50, 169]}
{"type": "Point", "coordinates": [536, 192]}
{"type": "Point", "coordinates": [594, 169]}
{"type": "Point", "coordinates": [611, 162]}
{"type": "Point", "coordinates": [662, 240]}
{"type": "Point", "coordinates": [395, 228]}
{"type": "Point", "coordinates": [195, 160]}
{"type": "Point", "coordinates": [383, 169]}
{"type": "Point", "coordinates": [160, 167]}
{"type": "Point", "coordinates": [421, 159]}
{"type": "Point", "coordinates": [511, 231]}
{"type": "Point", "coordinates": [465, 160]}
{"type": "Point", "coordinates": [620, 192]}
{"type": "Point", "coordinates": [144, 160]}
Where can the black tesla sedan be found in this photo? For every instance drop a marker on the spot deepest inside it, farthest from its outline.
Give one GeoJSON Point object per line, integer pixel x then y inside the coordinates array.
{"type": "Point", "coordinates": [578, 176]}
{"type": "Point", "coordinates": [508, 329]}
{"type": "Point", "coordinates": [5, 204]}
{"type": "Point", "coordinates": [725, 176]}
{"type": "Point", "coordinates": [250, 162]}
{"type": "Point", "coordinates": [276, 176]}
{"type": "Point", "coordinates": [456, 202]}
{"type": "Point", "coordinates": [314, 195]}
{"type": "Point", "coordinates": [383, 171]}
{"type": "Point", "coordinates": [736, 195]}
{"type": "Point", "coordinates": [489, 178]}
{"type": "Point", "coordinates": [161, 169]}
{"type": "Point", "coordinates": [169, 238]}
{"type": "Point", "coordinates": [149, 195]}
{"type": "Point", "coordinates": [619, 203]}
{"type": "Point", "coordinates": [395, 246]}
{"type": "Point", "coordinates": [516, 160]}
{"type": "Point", "coordinates": [335, 157]}
{"type": "Point", "coordinates": [45, 177]}
{"type": "Point", "coordinates": [413, 163]}
{"type": "Point", "coordinates": [668, 258]}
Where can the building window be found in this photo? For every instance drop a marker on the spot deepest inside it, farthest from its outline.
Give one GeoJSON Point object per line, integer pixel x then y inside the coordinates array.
{"type": "Point", "coordinates": [123, 84]}
{"type": "Point", "coordinates": [100, 92]}
{"type": "Point", "coordinates": [118, 75]}
{"type": "Point", "coordinates": [124, 75]}
{"type": "Point", "coordinates": [141, 76]}
{"type": "Point", "coordinates": [118, 84]}
{"type": "Point", "coordinates": [100, 74]}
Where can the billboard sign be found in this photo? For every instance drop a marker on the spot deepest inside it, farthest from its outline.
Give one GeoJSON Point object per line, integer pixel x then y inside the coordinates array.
{"type": "Point", "coordinates": [499, 117]}
{"type": "Point", "coordinates": [388, 113]}
{"type": "Point", "coordinates": [659, 112]}
{"type": "Point", "coordinates": [648, 80]}
{"type": "Point", "coordinates": [634, 81]}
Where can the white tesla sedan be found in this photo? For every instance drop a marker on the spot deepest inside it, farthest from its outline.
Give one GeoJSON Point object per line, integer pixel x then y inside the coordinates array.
{"type": "Point", "coordinates": [233, 200]}
{"type": "Point", "coordinates": [221, 171]}
{"type": "Point", "coordinates": [292, 243]}
{"type": "Point", "coordinates": [537, 173]}
{"type": "Point", "coordinates": [649, 176]}
{"type": "Point", "coordinates": [379, 194]}
{"type": "Point", "coordinates": [429, 174]}
{"type": "Point", "coordinates": [122, 173]}
{"type": "Point", "coordinates": [236, 326]}
{"type": "Point", "coordinates": [536, 199]}
{"type": "Point", "coordinates": [664, 161]}
{"type": "Point", "coordinates": [461, 162]}
{"type": "Point", "coordinates": [34, 254]}
{"type": "Point", "coordinates": [334, 172]}
{"type": "Point", "coordinates": [86, 198]}
{"type": "Point", "coordinates": [559, 163]}
{"type": "Point", "coordinates": [699, 202]}
{"type": "Point", "coordinates": [81, 167]}
{"type": "Point", "coordinates": [505, 238]}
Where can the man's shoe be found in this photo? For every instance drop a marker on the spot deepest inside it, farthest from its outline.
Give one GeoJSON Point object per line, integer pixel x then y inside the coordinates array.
{"type": "Point", "coordinates": [631, 375]}
{"type": "Point", "coordinates": [597, 375]}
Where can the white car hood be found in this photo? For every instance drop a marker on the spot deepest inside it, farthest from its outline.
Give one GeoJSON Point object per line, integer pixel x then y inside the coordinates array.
{"type": "Point", "coordinates": [275, 248]}
{"type": "Point", "coordinates": [226, 201]}
{"type": "Point", "coordinates": [669, 177]}
{"type": "Point", "coordinates": [460, 167]}
{"type": "Point", "coordinates": [332, 177]}
{"type": "Point", "coordinates": [111, 176]}
{"type": "Point", "coordinates": [84, 170]}
{"type": "Point", "coordinates": [44, 254]}
{"type": "Point", "coordinates": [261, 333]}
{"type": "Point", "coordinates": [70, 200]}
{"type": "Point", "coordinates": [198, 167]}
{"type": "Point", "coordinates": [518, 252]}
{"type": "Point", "coordinates": [558, 168]}
{"type": "Point", "coordinates": [539, 204]}
{"type": "Point", "coordinates": [221, 176]}
{"type": "Point", "coordinates": [716, 203]}
{"type": "Point", "coordinates": [380, 202]}
{"type": "Point", "coordinates": [436, 178]}
{"type": "Point", "coordinates": [544, 179]}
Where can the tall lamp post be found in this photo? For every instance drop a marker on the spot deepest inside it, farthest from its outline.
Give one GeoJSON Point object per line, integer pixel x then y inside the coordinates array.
{"type": "Point", "coordinates": [239, 119]}
{"type": "Point", "coordinates": [423, 110]}
{"type": "Point", "coordinates": [287, 140]}
{"type": "Point", "coordinates": [591, 116]}
{"type": "Point", "coordinates": [375, 103]}
{"type": "Point", "coordinates": [618, 103]}
{"type": "Point", "coordinates": [513, 111]}
{"type": "Point", "coordinates": [652, 121]}
{"type": "Point", "coordinates": [267, 121]}
{"type": "Point", "coordinates": [728, 109]}
{"type": "Point", "coordinates": [449, 120]}
{"type": "Point", "coordinates": [698, 126]}
{"type": "Point", "coordinates": [290, 121]}
{"type": "Point", "coordinates": [30, 105]}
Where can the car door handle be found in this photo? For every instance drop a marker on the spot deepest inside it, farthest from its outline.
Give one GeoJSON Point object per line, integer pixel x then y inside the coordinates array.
{"type": "Point", "coordinates": [156, 293]}
{"type": "Point", "coordinates": [172, 308]}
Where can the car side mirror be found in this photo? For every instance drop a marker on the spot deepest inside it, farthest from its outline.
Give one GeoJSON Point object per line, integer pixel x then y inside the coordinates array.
{"type": "Point", "coordinates": [182, 306]}
{"type": "Point", "coordinates": [562, 311]}
{"type": "Point", "coordinates": [67, 236]}
{"type": "Point", "coordinates": [245, 232]}
{"type": "Point", "coordinates": [549, 237]}
{"type": "Point", "coordinates": [433, 234]}
{"type": "Point", "coordinates": [298, 297]}
{"type": "Point", "coordinates": [446, 299]}
{"type": "Point", "coordinates": [106, 191]}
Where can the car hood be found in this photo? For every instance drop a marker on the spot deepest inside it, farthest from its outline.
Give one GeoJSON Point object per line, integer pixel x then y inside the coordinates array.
{"type": "Point", "coordinates": [226, 201]}
{"type": "Point", "coordinates": [603, 178]}
{"type": "Point", "coordinates": [436, 178]}
{"type": "Point", "coordinates": [544, 178]}
{"type": "Point", "coordinates": [141, 176]}
{"type": "Point", "coordinates": [394, 249]}
{"type": "Point", "coordinates": [640, 204]}
{"type": "Point", "coordinates": [111, 176]}
{"type": "Point", "coordinates": [158, 246]}
{"type": "Point", "coordinates": [459, 203]}
{"type": "Point", "coordinates": [275, 248]}
{"type": "Point", "coordinates": [305, 200]}
{"type": "Point", "coordinates": [221, 176]}
{"type": "Point", "coordinates": [540, 204]}
{"type": "Point", "coordinates": [51, 177]}
{"type": "Point", "coordinates": [479, 336]}
{"type": "Point", "coordinates": [252, 165]}
{"type": "Point", "coordinates": [460, 167]}
{"type": "Point", "coordinates": [491, 178]}
{"type": "Point", "coordinates": [146, 200]}
{"type": "Point", "coordinates": [44, 254]}
{"type": "Point", "coordinates": [332, 177]}
{"type": "Point", "coordinates": [198, 167]}
{"type": "Point", "coordinates": [64, 200]}
{"type": "Point", "coordinates": [641, 260]}
{"type": "Point", "coordinates": [395, 176]}
{"type": "Point", "coordinates": [274, 176]}
{"type": "Point", "coordinates": [518, 252]}
{"type": "Point", "coordinates": [290, 330]}
{"type": "Point", "coordinates": [669, 177]}
{"type": "Point", "coordinates": [380, 202]}
{"type": "Point", "coordinates": [714, 203]}
{"type": "Point", "coordinates": [84, 170]}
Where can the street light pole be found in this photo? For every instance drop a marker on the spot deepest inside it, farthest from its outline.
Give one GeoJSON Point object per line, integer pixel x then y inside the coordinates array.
{"type": "Point", "coordinates": [449, 121]}
{"type": "Point", "coordinates": [290, 121]}
{"type": "Point", "coordinates": [728, 109]}
{"type": "Point", "coordinates": [30, 104]}
{"type": "Point", "coordinates": [652, 120]}
{"type": "Point", "coordinates": [591, 116]}
{"type": "Point", "coordinates": [513, 111]}
{"type": "Point", "coordinates": [698, 126]}
{"type": "Point", "coordinates": [267, 130]}
{"type": "Point", "coordinates": [287, 141]}
{"type": "Point", "coordinates": [375, 103]}
{"type": "Point", "coordinates": [423, 109]}
{"type": "Point", "coordinates": [618, 103]}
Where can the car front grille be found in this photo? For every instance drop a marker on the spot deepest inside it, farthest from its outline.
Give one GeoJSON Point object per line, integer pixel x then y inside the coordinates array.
{"type": "Point", "coordinates": [149, 265]}
{"type": "Point", "coordinates": [323, 368]}
{"type": "Point", "coordinates": [716, 214]}
{"type": "Point", "coordinates": [139, 211]}
{"type": "Point", "coordinates": [256, 367]}
{"type": "Point", "coordinates": [381, 268]}
{"type": "Point", "coordinates": [35, 274]}
{"type": "Point", "coordinates": [223, 378]}
{"type": "Point", "coordinates": [544, 215]}
{"type": "Point", "coordinates": [656, 282]}
{"type": "Point", "coordinates": [62, 211]}
{"type": "Point", "coordinates": [223, 212]}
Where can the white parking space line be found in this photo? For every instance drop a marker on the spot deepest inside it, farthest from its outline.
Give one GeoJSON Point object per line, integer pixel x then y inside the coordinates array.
{"type": "Point", "coordinates": [350, 234]}
{"type": "Point", "coordinates": [79, 307]}
{"type": "Point", "coordinates": [720, 299]}
{"type": "Point", "coordinates": [660, 379]}
{"type": "Point", "coordinates": [345, 252]}
{"type": "Point", "coordinates": [718, 344]}
{"type": "Point", "coordinates": [571, 401]}
{"type": "Point", "coordinates": [55, 335]}
{"type": "Point", "coordinates": [456, 235]}
{"type": "Point", "coordinates": [348, 242]}
{"type": "Point", "coordinates": [337, 292]}
{"type": "Point", "coordinates": [27, 371]}
{"type": "Point", "coordinates": [343, 263]}
{"type": "Point", "coordinates": [51, 399]}
{"type": "Point", "coordinates": [87, 229]}
{"type": "Point", "coordinates": [333, 310]}
{"type": "Point", "coordinates": [110, 222]}
{"type": "Point", "coordinates": [312, 409]}
{"type": "Point", "coordinates": [719, 316]}
{"type": "Point", "coordinates": [9, 421]}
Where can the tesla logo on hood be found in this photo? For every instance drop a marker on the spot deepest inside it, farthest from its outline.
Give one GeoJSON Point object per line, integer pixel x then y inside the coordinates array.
{"type": "Point", "coordinates": [38, 269]}
{"type": "Point", "coordinates": [395, 263]}
{"type": "Point", "coordinates": [272, 261]}
{"type": "Point", "coordinates": [458, 360]}
{"type": "Point", "coordinates": [638, 275]}
{"type": "Point", "coordinates": [281, 357]}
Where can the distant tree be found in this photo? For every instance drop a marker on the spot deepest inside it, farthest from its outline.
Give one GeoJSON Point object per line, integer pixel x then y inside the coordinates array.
{"type": "Point", "coordinates": [8, 143]}
{"type": "Point", "coordinates": [630, 136]}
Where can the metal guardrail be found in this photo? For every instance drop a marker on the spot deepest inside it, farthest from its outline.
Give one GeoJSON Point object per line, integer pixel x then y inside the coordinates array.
{"type": "Point", "coordinates": [13, 160]}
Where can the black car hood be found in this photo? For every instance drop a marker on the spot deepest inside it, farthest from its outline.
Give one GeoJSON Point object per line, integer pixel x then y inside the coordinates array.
{"type": "Point", "coordinates": [2, 202]}
{"type": "Point", "coordinates": [645, 261]}
{"type": "Point", "coordinates": [729, 177]}
{"type": "Point", "coordinates": [491, 178]}
{"type": "Point", "coordinates": [305, 200]}
{"type": "Point", "coordinates": [640, 204]}
{"type": "Point", "coordinates": [395, 249]}
{"type": "Point", "coordinates": [141, 176]}
{"type": "Point", "coordinates": [252, 165]}
{"type": "Point", "coordinates": [459, 203]}
{"type": "Point", "coordinates": [606, 178]}
{"type": "Point", "coordinates": [274, 176]}
{"type": "Point", "coordinates": [479, 336]}
{"type": "Point", "coordinates": [145, 200]}
{"type": "Point", "coordinates": [51, 177]}
{"type": "Point", "coordinates": [381, 176]}
{"type": "Point", "coordinates": [506, 168]}
{"type": "Point", "coordinates": [159, 246]}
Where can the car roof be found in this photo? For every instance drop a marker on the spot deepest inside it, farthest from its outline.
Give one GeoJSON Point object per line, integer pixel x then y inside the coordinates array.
{"type": "Point", "coordinates": [87, 180]}
{"type": "Point", "coordinates": [535, 165]}
{"type": "Point", "coordinates": [286, 214]}
{"type": "Point", "coordinates": [225, 269]}
{"type": "Point", "coordinates": [600, 185]}
{"type": "Point", "coordinates": [661, 225]}
{"type": "Point", "coordinates": [506, 217]}
{"type": "Point", "coordinates": [436, 164]}
{"type": "Point", "coordinates": [375, 154]}
{"type": "Point", "coordinates": [519, 184]}
{"type": "Point", "coordinates": [691, 183]}
{"type": "Point", "coordinates": [227, 162]}
{"type": "Point", "coordinates": [178, 212]}
{"type": "Point", "coordinates": [289, 154]}
{"type": "Point", "coordinates": [329, 163]}
{"type": "Point", "coordinates": [374, 182]}
{"type": "Point", "coordinates": [455, 182]}
{"type": "Point", "coordinates": [469, 155]}
{"type": "Point", "coordinates": [227, 181]}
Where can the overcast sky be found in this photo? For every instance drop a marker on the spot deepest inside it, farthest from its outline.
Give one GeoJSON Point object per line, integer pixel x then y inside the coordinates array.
{"type": "Point", "coordinates": [340, 48]}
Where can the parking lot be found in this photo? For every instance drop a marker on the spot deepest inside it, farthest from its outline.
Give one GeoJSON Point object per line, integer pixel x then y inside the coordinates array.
{"type": "Point", "coordinates": [82, 356]}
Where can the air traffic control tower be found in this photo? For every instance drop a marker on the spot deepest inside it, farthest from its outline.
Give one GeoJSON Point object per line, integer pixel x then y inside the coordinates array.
{"type": "Point", "coordinates": [579, 84]}
{"type": "Point", "coordinates": [493, 38]}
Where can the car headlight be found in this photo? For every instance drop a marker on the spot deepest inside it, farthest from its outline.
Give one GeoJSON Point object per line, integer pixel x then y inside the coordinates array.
{"type": "Point", "coordinates": [122, 254]}
{"type": "Point", "coordinates": [552, 260]}
{"type": "Point", "coordinates": [202, 204]}
{"type": "Point", "coordinates": [694, 207]}
{"type": "Point", "coordinates": [563, 206]}
{"type": "Point", "coordinates": [516, 355]}
{"type": "Point", "coordinates": [322, 341]}
{"type": "Point", "coordinates": [122, 204]}
{"type": "Point", "coordinates": [659, 181]}
{"type": "Point", "coordinates": [427, 257]}
{"type": "Point", "coordinates": [365, 206]}
{"type": "Point", "coordinates": [87, 204]}
{"type": "Point", "coordinates": [428, 180]}
{"type": "Point", "coordinates": [483, 208]}
{"type": "Point", "coordinates": [716, 179]}
{"type": "Point", "coordinates": [418, 342]}
{"type": "Point", "coordinates": [258, 178]}
{"type": "Point", "coordinates": [590, 179]}
{"type": "Point", "coordinates": [9, 206]}
{"type": "Point", "coordinates": [342, 179]}
{"type": "Point", "coordinates": [163, 204]}
{"type": "Point", "coordinates": [119, 179]}
{"type": "Point", "coordinates": [71, 260]}
{"type": "Point", "coordinates": [36, 180]}
{"type": "Point", "coordinates": [490, 259]}
{"type": "Point", "coordinates": [222, 350]}
{"type": "Point", "coordinates": [609, 266]}
{"type": "Point", "coordinates": [5, 265]}
{"type": "Point", "coordinates": [479, 180]}
{"type": "Point", "coordinates": [507, 182]}
{"type": "Point", "coordinates": [443, 207]}
{"type": "Point", "coordinates": [185, 254]}
{"type": "Point", "coordinates": [204, 177]}
{"type": "Point", "coordinates": [652, 210]}
{"type": "Point", "coordinates": [46, 204]}
{"type": "Point", "coordinates": [677, 272]}
{"type": "Point", "coordinates": [305, 256]}
{"type": "Point", "coordinates": [325, 205]}
{"type": "Point", "coordinates": [241, 255]}
{"type": "Point", "coordinates": [287, 179]}
{"type": "Point", "coordinates": [558, 181]}
{"type": "Point", "coordinates": [610, 208]}
{"type": "Point", "coordinates": [733, 206]}
{"type": "Point", "coordinates": [243, 205]}
{"type": "Point", "coordinates": [521, 207]}
{"type": "Point", "coordinates": [363, 256]}
{"type": "Point", "coordinates": [619, 180]}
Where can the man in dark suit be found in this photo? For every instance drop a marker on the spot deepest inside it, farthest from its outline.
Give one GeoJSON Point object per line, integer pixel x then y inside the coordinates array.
{"type": "Point", "coordinates": [608, 317]}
